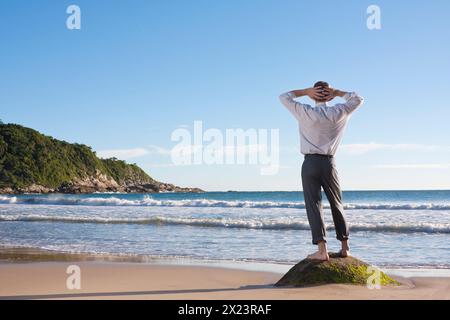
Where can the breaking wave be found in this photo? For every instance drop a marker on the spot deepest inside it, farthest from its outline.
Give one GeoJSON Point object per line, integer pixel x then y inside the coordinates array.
{"type": "Point", "coordinates": [150, 202]}
{"type": "Point", "coordinates": [231, 223]}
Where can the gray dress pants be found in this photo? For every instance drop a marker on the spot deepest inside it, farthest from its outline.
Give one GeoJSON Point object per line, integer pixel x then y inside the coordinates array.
{"type": "Point", "coordinates": [319, 171]}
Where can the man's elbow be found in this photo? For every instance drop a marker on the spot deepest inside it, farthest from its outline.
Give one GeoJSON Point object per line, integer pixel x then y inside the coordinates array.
{"type": "Point", "coordinates": [358, 100]}
{"type": "Point", "coordinates": [361, 101]}
{"type": "Point", "coordinates": [284, 98]}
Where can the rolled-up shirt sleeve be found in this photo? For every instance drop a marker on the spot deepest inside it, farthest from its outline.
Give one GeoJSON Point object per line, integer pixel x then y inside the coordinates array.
{"type": "Point", "coordinates": [352, 102]}
{"type": "Point", "coordinates": [296, 108]}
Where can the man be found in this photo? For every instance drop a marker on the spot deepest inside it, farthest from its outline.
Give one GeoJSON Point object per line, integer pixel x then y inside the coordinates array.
{"type": "Point", "coordinates": [321, 130]}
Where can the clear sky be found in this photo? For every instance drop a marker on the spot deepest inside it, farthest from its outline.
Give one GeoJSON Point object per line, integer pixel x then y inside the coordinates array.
{"type": "Point", "coordinates": [137, 70]}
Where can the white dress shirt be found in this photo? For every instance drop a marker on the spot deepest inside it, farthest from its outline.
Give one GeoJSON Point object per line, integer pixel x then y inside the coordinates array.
{"type": "Point", "coordinates": [322, 127]}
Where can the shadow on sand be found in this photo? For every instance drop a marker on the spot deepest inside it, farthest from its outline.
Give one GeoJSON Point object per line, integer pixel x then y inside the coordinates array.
{"type": "Point", "coordinates": [105, 295]}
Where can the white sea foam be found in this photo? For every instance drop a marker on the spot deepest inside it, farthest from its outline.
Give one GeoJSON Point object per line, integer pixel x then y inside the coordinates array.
{"type": "Point", "coordinates": [148, 201]}
{"type": "Point", "coordinates": [6, 199]}
{"type": "Point", "coordinates": [247, 223]}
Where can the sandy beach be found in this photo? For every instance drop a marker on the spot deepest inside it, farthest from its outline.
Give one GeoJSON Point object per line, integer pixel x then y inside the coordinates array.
{"type": "Point", "coordinates": [35, 278]}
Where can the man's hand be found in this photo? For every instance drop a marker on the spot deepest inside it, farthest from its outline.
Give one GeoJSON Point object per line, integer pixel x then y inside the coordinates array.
{"type": "Point", "coordinates": [320, 94]}
{"type": "Point", "coordinates": [331, 93]}
{"type": "Point", "coordinates": [316, 93]}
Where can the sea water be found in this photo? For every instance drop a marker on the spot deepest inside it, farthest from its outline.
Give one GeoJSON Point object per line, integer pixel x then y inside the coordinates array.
{"type": "Point", "coordinates": [391, 229]}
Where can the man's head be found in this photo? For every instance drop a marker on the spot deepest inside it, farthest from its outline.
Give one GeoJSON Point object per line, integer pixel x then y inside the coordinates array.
{"type": "Point", "coordinates": [321, 85]}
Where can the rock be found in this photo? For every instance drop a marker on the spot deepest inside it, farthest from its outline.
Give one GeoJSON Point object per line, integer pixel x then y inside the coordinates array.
{"type": "Point", "coordinates": [7, 190]}
{"type": "Point", "coordinates": [103, 183]}
{"type": "Point", "coordinates": [35, 188]}
{"type": "Point", "coordinates": [167, 187]}
{"type": "Point", "coordinates": [100, 182]}
{"type": "Point", "coordinates": [141, 188]}
{"type": "Point", "coordinates": [96, 183]}
{"type": "Point", "coordinates": [337, 270]}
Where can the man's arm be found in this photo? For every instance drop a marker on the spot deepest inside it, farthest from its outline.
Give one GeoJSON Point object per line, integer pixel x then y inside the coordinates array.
{"type": "Point", "coordinates": [287, 99]}
{"type": "Point", "coordinates": [313, 93]}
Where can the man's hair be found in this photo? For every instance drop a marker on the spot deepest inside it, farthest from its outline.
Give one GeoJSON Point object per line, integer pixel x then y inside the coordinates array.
{"type": "Point", "coordinates": [321, 84]}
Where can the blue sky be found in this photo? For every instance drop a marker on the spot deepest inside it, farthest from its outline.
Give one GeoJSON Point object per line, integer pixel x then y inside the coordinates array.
{"type": "Point", "coordinates": [137, 70]}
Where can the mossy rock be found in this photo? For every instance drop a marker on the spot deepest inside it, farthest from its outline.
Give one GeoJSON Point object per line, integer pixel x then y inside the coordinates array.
{"type": "Point", "coordinates": [337, 270]}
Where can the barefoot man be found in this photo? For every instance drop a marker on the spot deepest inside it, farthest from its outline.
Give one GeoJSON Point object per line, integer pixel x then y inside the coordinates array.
{"type": "Point", "coordinates": [321, 130]}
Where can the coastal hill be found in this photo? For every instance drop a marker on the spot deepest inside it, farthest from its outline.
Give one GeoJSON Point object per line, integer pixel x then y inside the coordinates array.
{"type": "Point", "coordinates": [31, 162]}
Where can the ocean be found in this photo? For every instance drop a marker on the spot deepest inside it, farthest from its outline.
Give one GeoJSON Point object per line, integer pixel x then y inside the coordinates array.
{"type": "Point", "coordinates": [390, 229]}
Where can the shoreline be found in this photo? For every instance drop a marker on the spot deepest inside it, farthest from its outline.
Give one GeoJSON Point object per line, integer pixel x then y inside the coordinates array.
{"type": "Point", "coordinates": [26, 255]}
{"type": "Point", "coordinates": [18, 255]}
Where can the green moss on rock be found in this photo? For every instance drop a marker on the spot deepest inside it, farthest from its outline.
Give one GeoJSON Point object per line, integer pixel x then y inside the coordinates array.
{"type": "Point", "coordinates": [337, 270]}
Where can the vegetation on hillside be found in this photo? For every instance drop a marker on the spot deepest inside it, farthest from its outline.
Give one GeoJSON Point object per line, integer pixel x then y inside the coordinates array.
{"type": "Point", "coordinates": [28, 157]}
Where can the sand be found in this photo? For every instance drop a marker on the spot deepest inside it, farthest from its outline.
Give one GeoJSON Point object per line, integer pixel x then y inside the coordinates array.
{"type": "Point", "coordinates": [29, 273]}
{"type": "Point", "coordinates": [119, 280]}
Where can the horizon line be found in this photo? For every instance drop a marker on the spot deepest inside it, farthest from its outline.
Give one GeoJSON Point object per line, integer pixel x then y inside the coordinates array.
{"type": "Point", "coordinates": [349, 190]}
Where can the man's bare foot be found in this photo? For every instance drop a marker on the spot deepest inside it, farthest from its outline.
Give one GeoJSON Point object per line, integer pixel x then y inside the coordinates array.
{"type": "Point", "coordinates": [345, 251]}
{"type": "Point", "coordinates": [322, 256]}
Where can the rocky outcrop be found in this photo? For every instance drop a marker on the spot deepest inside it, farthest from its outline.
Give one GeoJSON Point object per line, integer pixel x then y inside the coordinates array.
{"type": "Point", "coordinates": [337, 270]}
{"type": "Point", "coordinates": [167, 187]}
{"type": "Point", "coordinates": [98, 183]}
{"type": "Point", "coordinates": [7, 190]}
{"type": "Point", "coordinates": [102, 183]}
{"type": "Point", "coordinates": [34, 188]}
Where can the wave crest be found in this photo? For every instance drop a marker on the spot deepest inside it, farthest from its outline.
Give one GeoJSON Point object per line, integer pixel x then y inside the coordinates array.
{"type": "Point", "coordinates": [148, 201]}
{"type": "Point", "coordinates": [232, 223]}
